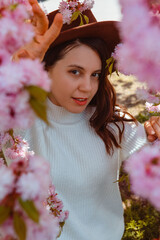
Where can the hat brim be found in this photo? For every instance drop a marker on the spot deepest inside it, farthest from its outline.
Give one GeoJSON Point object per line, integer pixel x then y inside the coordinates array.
{"type": "Point", "coordinates": [106, 30]}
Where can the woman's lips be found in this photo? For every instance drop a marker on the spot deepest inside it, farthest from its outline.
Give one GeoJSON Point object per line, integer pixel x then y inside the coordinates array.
{"type": "Point", "coordinates": [80, 101]}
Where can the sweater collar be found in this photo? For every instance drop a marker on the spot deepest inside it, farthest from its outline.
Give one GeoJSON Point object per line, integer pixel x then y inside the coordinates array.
{"type": "Point", "coordinates": [61, 115]}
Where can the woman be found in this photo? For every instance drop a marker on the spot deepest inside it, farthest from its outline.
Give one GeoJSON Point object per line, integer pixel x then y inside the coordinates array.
{"type": "Point", "coordinates": [89, 135]}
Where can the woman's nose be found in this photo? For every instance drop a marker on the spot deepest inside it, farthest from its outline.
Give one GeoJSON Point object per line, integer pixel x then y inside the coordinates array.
{"type": "Point", "coordinates": [85, 84]}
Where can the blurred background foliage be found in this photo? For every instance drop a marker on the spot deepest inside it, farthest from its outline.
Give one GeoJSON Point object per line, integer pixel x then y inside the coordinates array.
{"type": "Point", "coordinates": [142, 220]}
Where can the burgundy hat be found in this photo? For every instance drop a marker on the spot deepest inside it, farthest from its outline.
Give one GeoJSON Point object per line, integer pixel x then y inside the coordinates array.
{"type": "Point", "coordinates": [106, 30]}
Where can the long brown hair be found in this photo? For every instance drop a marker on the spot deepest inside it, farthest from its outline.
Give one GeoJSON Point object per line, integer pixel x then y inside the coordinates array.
{"type": "Point", "coordinates": [106, 109]}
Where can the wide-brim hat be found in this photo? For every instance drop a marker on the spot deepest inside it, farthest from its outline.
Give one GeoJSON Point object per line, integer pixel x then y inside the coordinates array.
{"type": "Point", "coordinates": [105, 30]}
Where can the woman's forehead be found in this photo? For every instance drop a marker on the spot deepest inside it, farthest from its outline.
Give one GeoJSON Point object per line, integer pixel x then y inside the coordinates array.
{"type": "Point", "coordinates": [82, 54]}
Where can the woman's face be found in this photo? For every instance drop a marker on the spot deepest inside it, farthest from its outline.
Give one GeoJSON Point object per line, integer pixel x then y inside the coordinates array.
{"type": "Point", "coordinates": [75, 78]}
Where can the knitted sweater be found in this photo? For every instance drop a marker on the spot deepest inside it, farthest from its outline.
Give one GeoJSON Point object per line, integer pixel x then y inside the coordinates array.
{"type": "Point", "coordinates": [83, 173]}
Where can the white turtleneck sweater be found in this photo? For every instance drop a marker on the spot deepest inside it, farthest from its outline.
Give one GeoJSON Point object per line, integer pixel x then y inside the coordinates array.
{"type": "Point", "coordinates": [83, 173]}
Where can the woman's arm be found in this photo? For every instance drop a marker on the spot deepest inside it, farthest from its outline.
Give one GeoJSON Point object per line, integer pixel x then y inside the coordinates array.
{"type": "Point", "coordinates": [43, 36]}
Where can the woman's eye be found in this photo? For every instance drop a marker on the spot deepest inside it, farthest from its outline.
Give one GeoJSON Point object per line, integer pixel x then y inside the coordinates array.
{"type": "Point", "coordinates": [75, 72]}
{"type": "Point", "coordinates": [97, 75]}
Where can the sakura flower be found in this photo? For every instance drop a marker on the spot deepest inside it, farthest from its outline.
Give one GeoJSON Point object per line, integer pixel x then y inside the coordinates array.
{"type": "Point", "coordinates": [15, 109]}
{"type": "Point", "coordinates": [34, 74]}
{"type": "Point", "coordinates": [28, 186]}
{"type": "Point", "coordinates": [48, 228]}
{"type": "Point", "coordinates": [68, 8]}
{"type": "Point", "coordinates": [7, 3]}
{"type": "Point", "coordinates": [19, 150]}
{"type": "Point", "coordinates": [7, 181]}
{"type": "Point", "coordinates": [1, 162]}
{"type": "Point", "coordinates": [14, 98]}
{"type": "Point", "coordinates": [138, 54]}
{"type": "Point", "coordinates": [35, 166]}
{"type": "Point", "coordinates": [144, 170]}
{"type": "Point", "coordinates": [11, 28]}
{"type": "Point", "coordinates": [73, 4]}
{"type": "Point", "coordinates": [147, 95]}
{"type": "Point", "coordinates": [63, 5]}
{"type": "Point", "coordinates": [7, 230]}
{"type": "Point", "coordinates": [152, 108]}
{"type": "Point", "coordinates": [4, 57]}
{"type": "Point", "coordinates": [67, 14]}
{"type": "Point", "coordinates": [55, 205]}
{"type": "Point", "coordinates": [88, 4]}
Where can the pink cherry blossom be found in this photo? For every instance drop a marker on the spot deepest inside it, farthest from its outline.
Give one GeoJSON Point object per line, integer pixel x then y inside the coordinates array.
{"type": "Point", "coordinates": [152, 108]}
{"type": "Point", "coordinates": [28, 186]}
{"type": "Point", "coordinates": [147, 95]}
{"type": "Point", "coordinates": [144, 170]}
{"type": "Point", "coordinates": [138, 54]}
{"type": "Point", "coordinates": [11, 28]}
{"type": "Point", "coordinates": [23, 176]}
{"type": "Point", "coordinates": [55, 205]}
{"type": "Point", "coordinates": [6, 3]}
{"type": "Point", "coordinates": [73, 4]}
{"type": "Point", "coordinates": [67, 8]}
{"type": "Point", "coordinates": [88, 4]}
{"type": "Point", "coordinates": [40, 167]}
{"type": "Point", "coordinates": [48, 228]}
{"type": "Point", "coordinates": [63, 5]}
{"type": "Point", "coordinates": [34, 74]}
{"type": "Point", "coordinates": [19, 150]}
{"type": "Point", "coordinates": [1, 162]}
{"type": "Point", "coordinates": [6, 180]}
{"type": "Point", "coordinates": [67, 14]}
{"type": "Point", "coordinates": [14, 99]}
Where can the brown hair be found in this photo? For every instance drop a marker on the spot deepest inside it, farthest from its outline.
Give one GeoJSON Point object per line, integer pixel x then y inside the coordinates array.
{"type": "Point", "coordinates": [106, 109]}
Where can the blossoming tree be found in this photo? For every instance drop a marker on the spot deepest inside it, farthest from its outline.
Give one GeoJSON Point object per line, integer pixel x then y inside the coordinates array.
{"type": "Point", "coordinates": [139, 54]}
{"type": "Point", "coordinates": [29, 206]}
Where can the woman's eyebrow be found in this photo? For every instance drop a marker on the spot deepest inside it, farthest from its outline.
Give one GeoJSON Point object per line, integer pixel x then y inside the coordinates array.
{"type": "Point", "coordinates": [77, 66]}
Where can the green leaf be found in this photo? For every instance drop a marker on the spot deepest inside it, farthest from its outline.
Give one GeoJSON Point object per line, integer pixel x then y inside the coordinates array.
{"type": "Point", "coordinates": [30, 209]}
{"type": "Point", "coordinates": [11, 133]}
{"type": "Point", "coordinates": [37, 93]}
{"type": "Point", "coordinates": [4, 214]}
{"type": "Point", "coordinates": [38, 101]}
{"type": "Point", "coordinates": [75, 15]}
{"type": "Point", "coordinates": [81, 22]}
{"type": "Point", "coordinates": [117, 72]}
{"type": "Point", "coordinates": [109, 64]}
{"type": "Point", "coordinates": [40, 109]}
{"type": "Point", "coordinates": [3, 157]}
{"type": "Point", "coordinates": [86, 19]}
{"type": "Point", "coordinates": [110, 69]}
{"type": "Point", "coordinates": [109, 61]}
{"type": "Point", "coordinates": [12, 7]}
{"type": "Point", "coordinates": [19, 226]}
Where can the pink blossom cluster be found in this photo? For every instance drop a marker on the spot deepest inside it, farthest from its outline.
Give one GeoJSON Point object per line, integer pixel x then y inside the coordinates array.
{"type": "Point", "coordinates": [152, 99]}
{"type": "Point", "coordinates": [152, 108]}
{"type": "Point", "coordinates": [6, 3]}
{"type": "Point", "coordinates": [56, 205]}
{"type": "Point", "coordinates": [140, 33]}
{"type": "Point", "coordinates": [144, 170]}
{"type": "Point", "coordinates": [148, 95]}
{"type": "Point", "coordinates": [15, 32]}
{"type": "Point", "coordinates": [22, 179]}
{"type": "Point", "coordinates": [22, 188]}
{"type": "Point", "coordinates": [68, 7]}
{"type": "Point", "coordinates": [15, 109]}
